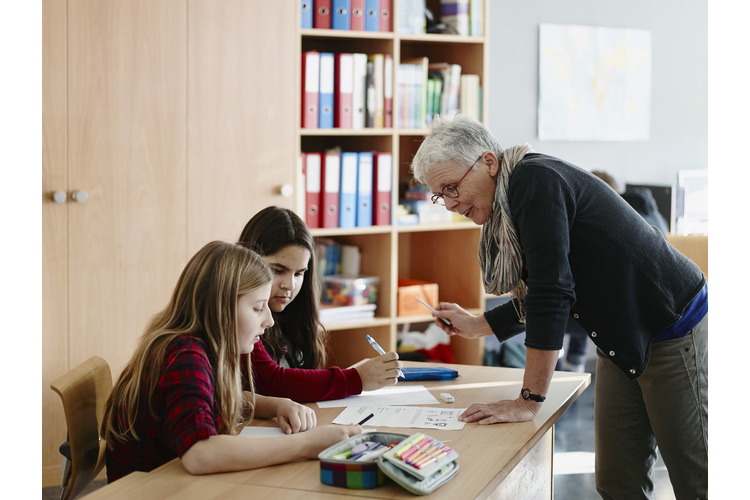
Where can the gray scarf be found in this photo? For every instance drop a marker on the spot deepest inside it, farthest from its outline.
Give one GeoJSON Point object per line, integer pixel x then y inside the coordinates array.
{"type": "Point", "coordinates": [501, 270]}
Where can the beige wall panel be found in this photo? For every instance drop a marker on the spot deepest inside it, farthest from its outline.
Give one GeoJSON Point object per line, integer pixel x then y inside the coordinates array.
{"type": "Point", "coordinates": [127, 95]}
{"type": "Point", "coordinates": [242, 106]}
{"type": "Point", "coordinates": [54, 232]}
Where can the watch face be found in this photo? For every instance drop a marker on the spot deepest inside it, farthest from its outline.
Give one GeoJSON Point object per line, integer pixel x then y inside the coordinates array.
{"type": "Point", "coordinates": [525, 393]}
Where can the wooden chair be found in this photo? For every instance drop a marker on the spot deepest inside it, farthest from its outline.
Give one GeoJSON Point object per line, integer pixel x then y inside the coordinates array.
{"type": "Point", "coordinates": [84, 391]}
{"type": "Point", "coordinates": [694, 247]}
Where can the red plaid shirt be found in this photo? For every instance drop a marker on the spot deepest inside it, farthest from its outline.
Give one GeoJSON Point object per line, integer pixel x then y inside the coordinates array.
{"type": "Point", "coordinates": [184, 403]}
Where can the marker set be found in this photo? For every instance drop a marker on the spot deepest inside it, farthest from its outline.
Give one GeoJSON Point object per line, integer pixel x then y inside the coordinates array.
{"type": "Point", "coordinates": [420, 455]}
{"type": "Point", "coordinates": [424, 453]}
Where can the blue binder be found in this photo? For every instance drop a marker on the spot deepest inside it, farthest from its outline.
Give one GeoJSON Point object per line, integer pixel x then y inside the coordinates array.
{"type": "Point", "coordinates": [306, 13]}
{"type": "Point", "coordinates": [325, 104]}
{"type": "Point", "coordinates": [341, 14]}
{"type": "Point", "coordinates": [364, 190]}
{"type": "Point", "coordinates": [372, 15]}
{"type": "Point", "coordinates": [348, 191]}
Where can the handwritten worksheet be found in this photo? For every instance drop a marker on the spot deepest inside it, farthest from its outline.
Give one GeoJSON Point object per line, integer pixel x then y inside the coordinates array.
{"type": "Point", "coordinates": [404, 416]}
{"type": "Point", "coordinates": [394, 395]}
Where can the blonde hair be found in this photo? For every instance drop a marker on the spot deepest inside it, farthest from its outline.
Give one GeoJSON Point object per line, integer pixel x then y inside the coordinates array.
{"type": "Point", "coordinates": [203, 305]}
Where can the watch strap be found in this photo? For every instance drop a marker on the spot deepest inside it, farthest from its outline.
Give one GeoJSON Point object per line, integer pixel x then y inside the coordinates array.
{"type": "Point", "coordinates": [527, 394]}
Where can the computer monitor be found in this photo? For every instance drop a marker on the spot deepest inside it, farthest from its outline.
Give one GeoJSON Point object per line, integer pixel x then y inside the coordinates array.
{"type": "Point", "coordinates": [663, 197]}
{"type": "Point", "coordinates": [690, 207]}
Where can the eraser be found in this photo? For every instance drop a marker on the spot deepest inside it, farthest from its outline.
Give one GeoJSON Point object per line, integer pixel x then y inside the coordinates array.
{"type": "Point", "coordinates": [446, 397]}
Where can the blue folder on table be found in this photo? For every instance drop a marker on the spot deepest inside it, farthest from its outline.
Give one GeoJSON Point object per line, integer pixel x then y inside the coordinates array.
{"type": "Point", "coordinates": [412, 373]}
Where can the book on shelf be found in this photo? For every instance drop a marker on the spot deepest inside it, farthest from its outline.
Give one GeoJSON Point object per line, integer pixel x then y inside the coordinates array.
{"type": "Point", "coordinates": [476, 17]}
{"type": "Point", "coordinates": [346, 314]}
{"type": "Point", "coordinates": [322, 14]}
{"type": "Point", "coordinates": [311, 163]}
{"type": "Point", "coordinates": [411, 18]}
{"type": "Point", "coordinates": [455, 14]}
{"type": "Point", "coordinates": [327, 76]}
{"type": "Point", "coordinates": [372, 15]}
{"type": "Point", "coordinates": [348, 191]}
{"type": "Point", "coordinates": [343, 90]}
{"type": "Point", "coordinates": [364, 189]}
{"type": "Point", "coordinates": [469, 96]}
{"type": "Point", "coordinates": [306, 13]}
{"type": "Point", "coordinates": [450, 76]}
{"type": "Point", "coordinates": [358, 15]}
{"type": "Point", "coordinates": [330, 175]}
{"type": "Point", "coordinates": [310, 88]}
{"type": "Point", "coordinates": [340, 14]}
{"type": "Point", "coordinates": [377, 99]}
{"type": "Point", "coordinates": [413, 85]}
{"type": "Point", "coordinates": [359, 90]}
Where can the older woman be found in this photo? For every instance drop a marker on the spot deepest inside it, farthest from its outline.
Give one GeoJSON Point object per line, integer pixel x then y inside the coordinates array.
{"type": "Point", "coordinates": [564, 244]}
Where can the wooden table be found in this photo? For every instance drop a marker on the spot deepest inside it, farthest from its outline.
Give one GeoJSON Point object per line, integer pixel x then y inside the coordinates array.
{"type": "Point", "coordinates": [496, 461]}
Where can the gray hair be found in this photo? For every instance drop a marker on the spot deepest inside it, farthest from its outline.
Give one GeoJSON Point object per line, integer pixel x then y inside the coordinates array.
{"type": "Point", "coordinates": [453, 137]}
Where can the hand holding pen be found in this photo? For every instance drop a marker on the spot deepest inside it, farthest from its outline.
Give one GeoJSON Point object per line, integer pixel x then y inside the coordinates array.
{"type": "Point", "coordinates": [380, 351]}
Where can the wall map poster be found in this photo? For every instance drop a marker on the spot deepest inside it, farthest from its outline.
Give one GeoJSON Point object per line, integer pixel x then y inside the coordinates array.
{"type": "Point", "coordinates": [594, 83]}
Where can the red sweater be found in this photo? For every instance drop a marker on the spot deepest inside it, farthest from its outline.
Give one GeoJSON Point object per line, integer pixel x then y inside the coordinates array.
{"type": "Point", "coordinates": [299, 384]}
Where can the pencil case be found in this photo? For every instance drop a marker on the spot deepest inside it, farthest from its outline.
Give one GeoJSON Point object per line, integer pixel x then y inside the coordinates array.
{"type": "Point", "coordinates": [417, 373]}
{"type": "Point", "coordinates": [339, 468]}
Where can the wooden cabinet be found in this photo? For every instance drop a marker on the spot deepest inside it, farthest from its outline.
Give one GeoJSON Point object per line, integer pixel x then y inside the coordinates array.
{"type": "Point", "coordinates": [445, 254]}
{"type": "Point", "coordinates": [175, 121]}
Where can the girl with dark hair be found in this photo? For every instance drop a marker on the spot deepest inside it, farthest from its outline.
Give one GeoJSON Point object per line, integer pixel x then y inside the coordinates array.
{"type": "Point", "coordinates": [291, 359]}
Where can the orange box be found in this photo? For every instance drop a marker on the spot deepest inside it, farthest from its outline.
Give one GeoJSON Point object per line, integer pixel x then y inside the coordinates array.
{"type": "Point", "coordinates": [408, 289]}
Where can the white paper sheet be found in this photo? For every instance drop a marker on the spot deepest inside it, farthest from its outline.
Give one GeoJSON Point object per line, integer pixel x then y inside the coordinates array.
{"type": "Point", "coordinates": [404, 416]}
{"type": "Point", "coordinates": [394, 395]}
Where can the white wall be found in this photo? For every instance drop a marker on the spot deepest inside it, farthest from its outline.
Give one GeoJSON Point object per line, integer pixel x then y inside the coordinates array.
{"type": "Point", "coordinates": [679, 93]}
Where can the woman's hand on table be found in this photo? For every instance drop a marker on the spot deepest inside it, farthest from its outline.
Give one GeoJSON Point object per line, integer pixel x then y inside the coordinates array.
{"type": "Point", "coordinates": [516, 410]}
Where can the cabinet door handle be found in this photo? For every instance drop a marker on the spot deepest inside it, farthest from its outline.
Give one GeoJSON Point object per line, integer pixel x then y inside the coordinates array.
{"type": "Point", "coordinates": [286, 190]}
{"type": "Point", "coordinates": [80, 196]}
{"type": "Point", "coordinates": [59, 196]}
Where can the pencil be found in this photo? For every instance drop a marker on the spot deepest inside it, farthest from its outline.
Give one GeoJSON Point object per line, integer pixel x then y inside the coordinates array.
{"type": "Point", "coordinates": [368, 417]}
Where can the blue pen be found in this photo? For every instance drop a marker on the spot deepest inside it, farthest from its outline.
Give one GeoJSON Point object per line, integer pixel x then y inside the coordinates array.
{"type": "Point", "coordinates": [380, 350]}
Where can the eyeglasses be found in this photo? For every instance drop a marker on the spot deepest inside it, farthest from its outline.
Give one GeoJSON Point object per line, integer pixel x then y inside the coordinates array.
{"type": "Point", "coordinates": [451, 190]}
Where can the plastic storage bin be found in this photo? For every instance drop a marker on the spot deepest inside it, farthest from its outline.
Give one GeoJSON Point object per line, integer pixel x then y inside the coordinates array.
{"type": "Point", "coordinates": [341, 290]}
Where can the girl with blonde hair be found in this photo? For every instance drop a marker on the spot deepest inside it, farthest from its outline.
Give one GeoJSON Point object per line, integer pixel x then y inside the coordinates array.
{"type": "Point", "coordinates": [181, 393]}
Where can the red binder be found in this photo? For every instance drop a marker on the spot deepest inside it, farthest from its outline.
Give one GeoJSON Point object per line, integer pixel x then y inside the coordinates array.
{"type": "Point", "coordinates": [322, 16]}
{"type": "Point", "coordinates": [387, 90]}
{"type": "Point", "coordinates": [383, 176]}
{"type": "Point", "coordinates": [310, 87]}
{"type": "Point", "coordinates": [311, 166]}
{"type": "Point", "coordinates": [342, 91]}
{"type": "Point", "coordinates": [358, 15]}
{"type": "Point", "coordinates": [386, 22]}
{"type": "Point", "coordinates": [330, 174]}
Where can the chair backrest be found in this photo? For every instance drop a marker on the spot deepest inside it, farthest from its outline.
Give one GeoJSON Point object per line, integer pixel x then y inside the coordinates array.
{"type": "Point", "coordinates": [84, 391]}
{"type": "Point", "coordinates": [694, 247]}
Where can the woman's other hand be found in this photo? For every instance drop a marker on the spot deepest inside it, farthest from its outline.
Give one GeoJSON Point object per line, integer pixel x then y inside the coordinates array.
{"type": "Point", "coordinates": [322, 437]}
{"type": "Point", "coordinates": [464, 323]}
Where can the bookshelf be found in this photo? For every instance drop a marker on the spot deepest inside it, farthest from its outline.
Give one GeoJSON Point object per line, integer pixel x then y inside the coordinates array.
{"type": "Point", "coordinates": [442, 253]}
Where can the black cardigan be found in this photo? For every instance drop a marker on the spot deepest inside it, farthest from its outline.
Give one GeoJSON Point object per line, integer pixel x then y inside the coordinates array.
{"type": "Point", "coordinates": [589, 255]}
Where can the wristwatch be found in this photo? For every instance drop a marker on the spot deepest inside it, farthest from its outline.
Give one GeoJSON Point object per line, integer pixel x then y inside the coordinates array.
{"type": "Point", "coordinates": [527, 394]}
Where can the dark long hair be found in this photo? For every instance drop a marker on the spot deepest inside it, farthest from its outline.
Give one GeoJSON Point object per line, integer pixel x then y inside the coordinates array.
{"type": "Point", "coordinates": [297, 333]}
